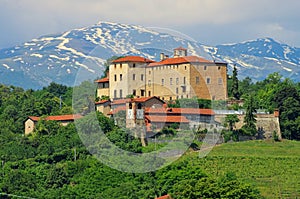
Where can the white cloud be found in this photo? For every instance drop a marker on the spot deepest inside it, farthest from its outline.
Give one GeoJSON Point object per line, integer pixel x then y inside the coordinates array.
{"type": "Point", "coordinates": [26, 19]}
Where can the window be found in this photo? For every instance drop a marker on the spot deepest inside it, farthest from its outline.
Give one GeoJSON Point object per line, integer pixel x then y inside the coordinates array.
{"type": "Point", "coordinates": [134, 92]}
{"type": "Point", "coordinates": [149, 72]}
{"type": "Point", "coordinates": [142, 77]}
{"type": "Point", "coordinates": [171, 81]}
{"type": "Point", "coordinates": [142, 93]}
{"type": "Point", "coordinates": [208, 80]}
{"type": "Point", "coordinates": [176, 90]}
{"type": "Point", "coordinates": [184, 80]}
{"type": "Point", "coordinates": [184, 67]}
{"type": "Point", "coordinates": [121, 93]}
{"type": "Point", "coordinates": [115, 78]}
{"type": "Point", "coordinates": [177, 81]}
{"type": "Point", "coordinates": [170, 98]}
{"type": "Point", "coordinates": [149, 93]}
{"type": "Point", "coordinates": [115, 66]}
{"type": "Point", "coordinates": [205, 67]}
{"type": "Point", "coordinates": [183, 89]}
{"type": "Point", "coordinates": [121, 77]}
{"type": "Point", "coordinates": [133, 77]}
{"type": "Point", "coordinates": [197, 80]}
{"type": "Point", "coordinates": [162, 82]}
{"type": "Point", "coordinates": [219, 68]}
{"type": "Point", "coordinates": [220, 82]}
{"type": "Point", "coordinates": [115, 93]}
{"type": "Point", "coordinates": [133, 65]}
{"type": "Point", "coordinates": [120, 65]}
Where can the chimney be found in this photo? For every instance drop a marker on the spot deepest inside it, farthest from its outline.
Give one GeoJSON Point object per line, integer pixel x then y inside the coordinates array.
{"type": "Point", "coordinates": [162, 56]}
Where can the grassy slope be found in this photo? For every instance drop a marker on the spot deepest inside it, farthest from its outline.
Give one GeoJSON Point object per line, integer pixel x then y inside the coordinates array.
{"type": "Point", "coordinates": [274, 168]}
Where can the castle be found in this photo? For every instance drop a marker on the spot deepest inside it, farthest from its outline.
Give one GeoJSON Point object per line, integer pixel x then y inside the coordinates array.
{"type": "Point", "coordinates": [171, 78]}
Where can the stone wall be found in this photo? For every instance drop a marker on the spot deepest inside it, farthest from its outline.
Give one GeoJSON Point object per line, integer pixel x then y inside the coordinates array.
{"type": "Point", "coordinates": [267, 123]}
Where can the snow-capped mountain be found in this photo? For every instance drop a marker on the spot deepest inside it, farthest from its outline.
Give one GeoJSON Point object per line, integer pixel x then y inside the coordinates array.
{"type": "Point", "coordinates": [60, 57]}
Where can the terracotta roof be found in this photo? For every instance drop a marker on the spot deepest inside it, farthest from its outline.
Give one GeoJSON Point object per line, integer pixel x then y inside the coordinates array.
{"type": "Point", "coordinates": [167, 119]}
{"type": "Point", "coordinates": [133, 59]}
{"type": "Point", "coordinates": [190, 111]}
{"type": "Point", "coordinates": [102, 102]}
{"type": "Point", "coordinates": [144, 99]}
{"type": "Point", "coordinates": [103, 80]}
{"type": "Point", "coordinates": [120, 101]}
{"type": "Point", "coordinates": [116, 110]}
{"type": "Point", "coordinates": [57, 117]}
{"type": "Point", "coordinates": [180, 48]}
{"type": "Point", "coordinates": [180, 60]}
{"type": "Point", "coordinates": [164, 197]}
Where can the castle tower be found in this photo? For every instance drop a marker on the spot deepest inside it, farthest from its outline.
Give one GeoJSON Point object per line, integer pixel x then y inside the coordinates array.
{"type": "Point", "coordinates": [180, 52]}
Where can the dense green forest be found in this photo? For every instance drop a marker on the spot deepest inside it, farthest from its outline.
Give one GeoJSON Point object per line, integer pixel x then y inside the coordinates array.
{"type": "Point", "coordinates": [53, 162]}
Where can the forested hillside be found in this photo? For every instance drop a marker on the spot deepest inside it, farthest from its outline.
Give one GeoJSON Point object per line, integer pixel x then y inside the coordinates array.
{"type": "Point", "coordinates": [53, 163]}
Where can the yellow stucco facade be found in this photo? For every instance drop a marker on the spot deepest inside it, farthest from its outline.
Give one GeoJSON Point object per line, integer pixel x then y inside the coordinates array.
{"type": "Point", "coordinates": [172, 78]}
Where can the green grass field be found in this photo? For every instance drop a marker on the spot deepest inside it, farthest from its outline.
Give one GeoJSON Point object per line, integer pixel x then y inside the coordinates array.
{"type": "Point", "coordinates": [272, 167]}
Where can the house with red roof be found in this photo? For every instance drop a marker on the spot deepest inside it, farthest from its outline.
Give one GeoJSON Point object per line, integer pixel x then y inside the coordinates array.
{"type": "Point", "coordinates": [180, 76]}
{"type": "Point", "coordinates": [63, 119]}
{"type": "Point", "coordinates": [151, 112]}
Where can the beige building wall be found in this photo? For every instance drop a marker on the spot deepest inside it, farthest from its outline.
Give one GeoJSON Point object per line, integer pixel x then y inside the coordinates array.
{"type": "Point", "coordinates": [103, 108]}
{"type": "Point", "coordinates": [127, 78]}
{"type": "Point", "coordinates": [209, 81]}
{"type": "Point", "coordinates": [103, 89]}
{"type": "Point", "coordinates": [169, 82]}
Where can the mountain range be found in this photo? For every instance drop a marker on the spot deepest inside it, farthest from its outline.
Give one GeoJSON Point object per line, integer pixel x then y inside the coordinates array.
{"type": "Point", "coordinates": [61, 57]}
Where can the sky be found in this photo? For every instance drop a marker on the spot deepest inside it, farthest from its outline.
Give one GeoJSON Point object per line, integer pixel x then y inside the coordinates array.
{"type": "Point", "coordinates": [210, 22]}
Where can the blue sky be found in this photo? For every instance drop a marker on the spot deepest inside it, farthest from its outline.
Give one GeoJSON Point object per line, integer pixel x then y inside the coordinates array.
{"type": "Point", "coordinates": [207, 21]}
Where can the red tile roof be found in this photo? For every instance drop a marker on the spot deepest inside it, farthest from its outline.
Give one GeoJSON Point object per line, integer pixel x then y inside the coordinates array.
{"type": "Point", "coordinates": [164, 197]}
{"type": "Point", "coordinates": [144, 99]}
{"type": "Point", "coordinates": [180, 48]}
{"type": "Point", "coordinates": [102, 102]}
{"type": "Point", "coordinates": [103, 80]}
{"type": "Point", "coordinates": [57, 117]}
{"type": "Point", "coordinates": [120, 101]}
{"type": "Point", "coordinates": [167, 119]}
{"type": "Point", "coordinates": [133, 59]}
{"type": "Point", "coordinates": [180, 60]}
{"type": "Point", "coordinates": [116, 110]}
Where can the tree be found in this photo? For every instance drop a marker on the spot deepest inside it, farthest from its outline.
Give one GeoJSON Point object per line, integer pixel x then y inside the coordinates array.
{"type": "Point", "coordinates": [250, 127]}
{"type": "Point", "coordinates": [230, 120]}
{"type": "Point", "coordinates": [235, 85]}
